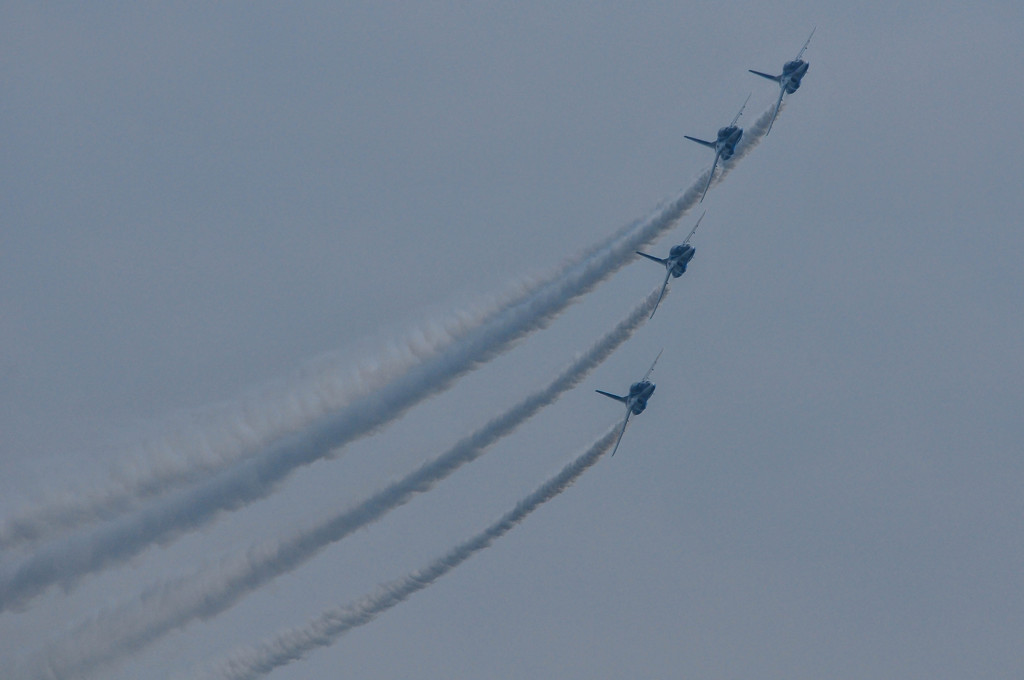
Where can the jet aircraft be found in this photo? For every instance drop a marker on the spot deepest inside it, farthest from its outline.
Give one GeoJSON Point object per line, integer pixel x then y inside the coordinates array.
{"type": "Point", "coordinates": [724, 146]}
{"type": "Point", "coordinates": [675, 264]}
{"type": "Point", "coordinates": [789, 82]}
{"type": "Point", "coordinates": [636, 400]}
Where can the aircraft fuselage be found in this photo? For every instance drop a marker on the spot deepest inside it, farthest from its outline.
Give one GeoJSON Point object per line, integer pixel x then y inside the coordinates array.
{"type": "Point", "coordinates": [792, 73]}
{"type": "Point", "coordinates": [639, 393]}
{"type": "Point", "coordinates": [678, 258]}
{"type": "Point", "coordinates": [728, 138]}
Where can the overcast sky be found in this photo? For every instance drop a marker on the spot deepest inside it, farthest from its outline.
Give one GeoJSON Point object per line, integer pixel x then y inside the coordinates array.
{"type": "Point", "coordinates": [204, 205]}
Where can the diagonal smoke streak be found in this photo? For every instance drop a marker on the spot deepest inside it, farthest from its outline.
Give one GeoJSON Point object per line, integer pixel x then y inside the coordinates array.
{"type": "Point", "coordinates": [206, 441]}
{"type": "Point", "coordinates": [174, 605]}
{"type": "Point", "coordinates": [166, 518]}
{"type": "Point", "coordinates": [212, 439]}
{"type": "Point", "coordinates": [292, 645]}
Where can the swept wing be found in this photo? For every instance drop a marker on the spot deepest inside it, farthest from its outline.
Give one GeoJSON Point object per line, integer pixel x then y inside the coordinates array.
{"type": "Point", "coordinates": [801, 52]}
{"type": "Point", "coordinates": [736, 119]}
{"type": "Point", "coordinates": [668, 273]}
{"type": "Point", "coordinates": [651, 369]}
{"type": "Point", "coordinates": [694, 230]}
{"type": "Point", "coordinates": [623, 430]}
{"type": "Point", "coordinates": [711, 175]}
{"type": "Point", "coordinates": [778, 105]}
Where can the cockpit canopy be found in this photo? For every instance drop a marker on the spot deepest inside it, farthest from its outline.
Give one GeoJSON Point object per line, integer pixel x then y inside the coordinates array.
{"type": "Point", "coordinates": [679, 251]}
{"type": "Point", "coordinates": [726, 132]}
{"type": "Point", "coordinates": [638, 387]}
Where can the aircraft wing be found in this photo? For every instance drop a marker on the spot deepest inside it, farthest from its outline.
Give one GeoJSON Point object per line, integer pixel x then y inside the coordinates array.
{"type": "Point", "coordinates": [694, 230]}
{"type": "Point", "coordinates": [711, 176]}
{"type": "Point", "coordinates": [651, 369]}
{"type": "Point", "coordinates": [622, 431]}
{"type": "Point", "coordinates": [661, 295]}
{"type": "Point", "coordinates": [736, 119]}
{"type": "Point", "coordinates": [801, 52]}
{"type": "Point", "coordinates": [778, 105]}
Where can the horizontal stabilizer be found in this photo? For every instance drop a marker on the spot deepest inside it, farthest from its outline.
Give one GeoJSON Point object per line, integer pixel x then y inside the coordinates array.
{"type": "Point", "coordinates": [777, 79]}
{"type": "Point", "coordinates": [710, 145]}
{"type": "Point", "coordinates": [651, 257]}
{"type": "Point", "coordinates": [612, 396]}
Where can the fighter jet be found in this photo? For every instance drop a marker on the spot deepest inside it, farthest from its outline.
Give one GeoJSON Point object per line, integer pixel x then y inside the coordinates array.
{"type": "Point", "coordinates": [675, 264]}
{"type": "Point", "coordinates": [636, 400]}
{"type": "Point", "coordinates": [724, 146]}
{"type": "Point", "coordinates": [789, 82]}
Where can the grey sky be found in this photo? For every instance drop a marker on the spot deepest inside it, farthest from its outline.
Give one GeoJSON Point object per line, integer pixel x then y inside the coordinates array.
{"type": "Point", "coordinates": [200, 202]}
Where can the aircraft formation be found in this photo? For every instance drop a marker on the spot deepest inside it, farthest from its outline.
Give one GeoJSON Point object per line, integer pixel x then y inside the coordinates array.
{"type": "Point", "coordinates": [110, 528]}
{"type": "Point", "coordinates": [680, 255]}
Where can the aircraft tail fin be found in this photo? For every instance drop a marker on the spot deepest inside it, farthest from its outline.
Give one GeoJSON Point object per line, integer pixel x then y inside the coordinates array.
{"type": "Point", "coordinates": [777, 79]}
{"type": "Point", "coordinates": [612, 396]}
{"type": "Point", "coordinates": [710, 145]}
{"type": "Point", "coordinates": [651, 257]}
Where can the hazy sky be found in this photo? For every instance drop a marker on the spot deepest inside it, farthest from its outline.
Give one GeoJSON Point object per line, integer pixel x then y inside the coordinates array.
{"type": "Point", "coordinates": [203, 206]}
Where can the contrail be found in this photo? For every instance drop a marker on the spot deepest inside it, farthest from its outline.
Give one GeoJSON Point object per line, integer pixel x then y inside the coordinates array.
{"type": "Point", "coordinates": [173, 605]}
{"type": "Point", "coordinates": [209, 440]}
{"type": "Point", "coordinates": [212, 439]}
{"type": "Point", "coordinates": [292, 645]}
{"type": "Point", "coordinates": [164, 519]}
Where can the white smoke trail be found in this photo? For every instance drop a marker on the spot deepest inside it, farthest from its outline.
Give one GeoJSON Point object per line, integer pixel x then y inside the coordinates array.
{"type": "Point", "coordinates": [173, 605]}
{"type": "Point", "coordinates": [208, 441]}
{"type": "Point", "coordinates": [292, 645]}
{"type": "Point", "coordinates": [164, 519]}
{"type": "Point", "coordinates": [204, 442]}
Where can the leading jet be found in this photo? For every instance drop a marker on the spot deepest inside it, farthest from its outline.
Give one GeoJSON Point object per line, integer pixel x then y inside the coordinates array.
{"type": "Point", "coordinates": [675, 264]}
{"type": "Point", "coordinates": [789, 82]}
{"type": "Point", "coordinates": [724, 146]}
{"type": "Point", "coordinates": [636, 400]}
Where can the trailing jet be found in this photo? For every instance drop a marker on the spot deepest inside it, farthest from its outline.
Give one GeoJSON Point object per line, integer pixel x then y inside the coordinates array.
{"type": "Point", "coordinates": [636, 400]}
{"type": "Point", "coordinates": [675, 264]}
{"type": "Point", "coordinates": [789, 82]}
{"type": "Point", "coordinates": [724, 146]}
